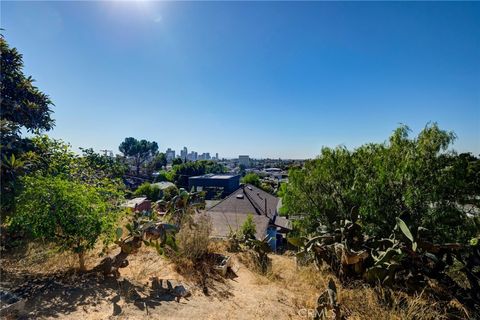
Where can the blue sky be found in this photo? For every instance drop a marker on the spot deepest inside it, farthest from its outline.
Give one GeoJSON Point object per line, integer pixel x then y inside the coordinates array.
{"type": "Point", "coordinates": [266, 79]}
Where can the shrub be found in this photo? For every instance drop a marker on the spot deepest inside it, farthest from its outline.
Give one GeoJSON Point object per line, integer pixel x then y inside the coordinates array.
{"type": "Point", "coordinates": [417, 179]}
{"type": "Point", "coordinates": [194, 238]}
{"type": "Point", "coordinates": [251, 178]}
{"type": "Point", "coordinates": [169, 193]}
{"type": "Point", "coordinates": [71, 214]}
{"type": "Point", "coordinates": [148, 190]}
{"type": "Point", "coordinates": [248, 228]}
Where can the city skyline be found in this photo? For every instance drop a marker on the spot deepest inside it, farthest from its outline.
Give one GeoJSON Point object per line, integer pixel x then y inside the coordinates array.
{"type": "Point", "coordinates": [271, 80]}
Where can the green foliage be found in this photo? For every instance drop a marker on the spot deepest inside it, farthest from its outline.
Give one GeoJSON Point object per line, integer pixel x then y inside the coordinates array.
{"type": "Point", "coordinates": [159, 162]}
{"type": "Point", "coordinates": [111, 167]}
{"type": "Point", "coordinates": [415, 179]}
{"type": "Point", "coordinates": [162, 176]}
{"type": "Point", "coordinates": [152, 192]}
{"type": "Point", "coordinates": [251, 178]}
{"type": "Point", "coordinates": [68, 213]}
{"type": "Point", "coordinates": [176, 161]}
{"type": "Point", "coordinates": [22, 107]}
{"type": "Point", "coordinates": [169, 193]}
{"type": "Point", "coordinates": [248, 228]}
{"type": "Point", "coordinates": [267, 187]}
{"type": "Point", "coordinates": [138, 151]}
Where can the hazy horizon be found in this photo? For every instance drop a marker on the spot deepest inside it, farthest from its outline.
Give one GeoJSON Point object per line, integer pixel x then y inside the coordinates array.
{"type": "Point", "coordinates": [269, 79]}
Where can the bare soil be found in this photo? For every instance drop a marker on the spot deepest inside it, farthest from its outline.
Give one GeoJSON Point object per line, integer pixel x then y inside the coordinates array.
{"type": "Point", "coordinates": [70, 295]}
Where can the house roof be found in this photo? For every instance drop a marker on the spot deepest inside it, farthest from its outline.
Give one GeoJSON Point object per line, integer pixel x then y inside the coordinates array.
{"type": "Point", "coordinates": [132, 203]}
{"type": "Point", "coordinates": [224, 223]}
{"type": "Point", "coordinates": [214, 176]}
{"type": "Point", "coordinates": [248, 199]}
{"type": "Point", "coordinates": [283, 223]}
{"type": "Point", "coordinates": [163, 184]}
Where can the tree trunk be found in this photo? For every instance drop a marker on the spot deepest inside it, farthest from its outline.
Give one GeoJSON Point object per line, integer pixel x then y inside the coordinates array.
{"type": "Point", "coordinates": [81, 260]}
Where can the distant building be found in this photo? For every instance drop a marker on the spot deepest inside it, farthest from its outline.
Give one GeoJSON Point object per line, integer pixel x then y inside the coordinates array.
{"type": "Point", "coordinates": [184, 154]}
{"type": "Point", "coordinates": [227, 182]}
{"type": "Point", "coordinates": [244, 160]}
{"type": "Point", "coordinates": [204, 156]}
{"type": "Point", "coordinates": [216, 156]}
{"type": "Point", "coordinates": [170, 155]}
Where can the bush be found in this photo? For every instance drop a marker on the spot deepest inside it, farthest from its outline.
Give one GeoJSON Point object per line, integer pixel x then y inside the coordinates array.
{"type": "Point", "coordinates": [148, 190]}
{"type": "Point", "coordinates": [169, 193]}
{"type": "Point", "coordinates": [251, 178]}
{"type": "Point", "coordinates": [417, 179]}
{"type": "Point", "coordinates": [71, 214]}
{"type": "Point", "coordinates": [248, 228]}
{"type": "Point", "coordinates": [193, 239]}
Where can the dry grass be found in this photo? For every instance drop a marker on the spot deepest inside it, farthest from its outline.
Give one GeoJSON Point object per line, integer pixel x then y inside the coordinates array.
{"type": "Point", "coordinates": [42, 258]}
{"type": "Point", "coordinates": [359, 301]}
{"type": "Point", "coordinates": [301, 285]}
{"type": "Point", "coordinates": [250, 260]}
{"type": "Point", "coordinates": [193, 239]}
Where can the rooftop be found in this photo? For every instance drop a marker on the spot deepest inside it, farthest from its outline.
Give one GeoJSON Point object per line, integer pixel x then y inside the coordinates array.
{"type": "Point", "coordinates": [215, 176]}
{"type": "Point", "coordinates": [248, 199]}
{"type": "Point", "coordinates": [163, 184]}
{"type": "Point", "coordinates": [225, 223]}
{"type": "Point", "coordinates": [132, 203]}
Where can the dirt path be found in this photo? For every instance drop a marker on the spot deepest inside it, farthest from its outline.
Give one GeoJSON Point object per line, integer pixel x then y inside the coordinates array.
{"type": "Point", "coordinates": [244, 296]}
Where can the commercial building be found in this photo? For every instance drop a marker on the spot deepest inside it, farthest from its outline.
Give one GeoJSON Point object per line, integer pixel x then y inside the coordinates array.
{"type": "Point", "coordinates": [215, 183]}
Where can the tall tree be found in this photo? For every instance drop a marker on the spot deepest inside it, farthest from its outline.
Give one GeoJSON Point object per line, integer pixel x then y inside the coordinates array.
{"type": "Point", "coordinates": [415, 179]}
{"type": "Point", "coordinates": [138, 150]}
{"type": "Point", "coordinates": [22, 107]}
{"type": "Point", "coordinates": [160, 161]}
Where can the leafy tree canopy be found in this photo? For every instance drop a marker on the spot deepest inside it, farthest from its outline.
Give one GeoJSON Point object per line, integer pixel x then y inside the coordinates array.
{"type": "Point", "coordinates": [159, 162]}
{"type": "Point", "coordinates": [152, 192]}
{"type": "Point", "coordinates": [138, 150]}
{"type": "Point", "coordinates": [22, 107]}
{"type": "Point", "coordinates": [415, 179]}
{"type": "Point", "coordinates": [251, 178]}
{"type": "Point", "coordinates": [177, 161]}
{"type": "Point", "coordinates": [248, 228]}
{"type": "Point", "coordinates": [69, 213]}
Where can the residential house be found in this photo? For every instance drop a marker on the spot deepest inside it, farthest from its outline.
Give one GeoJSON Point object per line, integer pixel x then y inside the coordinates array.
{"type": "Point", "coordinates": [229, 214]}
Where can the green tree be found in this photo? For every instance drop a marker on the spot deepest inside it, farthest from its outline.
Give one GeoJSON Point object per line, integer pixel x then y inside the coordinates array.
{"type": "Point", "coordinates": [177, 161]}
{"type": "Point", "coordinates": [159, 161]}
{"type": "Point", "coordinates": [251, 178]}
{"type": "Point", "coordinates": [139, 151]}
{"type": "Point", "coordinates": [111, 167]}
{"type": "Point", "coordinates": [417, 180]}
{"type": "Point", "coordinates": [71, 214]}
{"type": "Point", "coordinates": [22, 107]}
{"type": "Point", "coordinates": [152, 192]}
{"type": "Point", "coordinates": [170, 192]}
